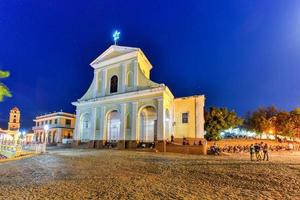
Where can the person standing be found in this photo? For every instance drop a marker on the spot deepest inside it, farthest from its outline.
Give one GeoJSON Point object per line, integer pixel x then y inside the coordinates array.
{"type": "Point", "coordinates": [252, 151]}
{"type": "Point", "coordinates": [257, 151]}
{"type": "Point", "coordinates": [266, 152]}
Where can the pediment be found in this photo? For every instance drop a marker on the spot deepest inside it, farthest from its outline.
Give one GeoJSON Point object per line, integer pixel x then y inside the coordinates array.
{"type": "Point", "coordinates": [113, 52]}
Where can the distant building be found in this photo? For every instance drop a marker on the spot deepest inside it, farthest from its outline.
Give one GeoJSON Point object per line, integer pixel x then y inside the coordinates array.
{"type": "Point", "coordinates": [124, 106]}
{"type": "Point", "coordinates": [14, 124]}
{"type": "Point", "coordinates": [29, 137]}
{"type": "Point", "coordinates": [60, 124]}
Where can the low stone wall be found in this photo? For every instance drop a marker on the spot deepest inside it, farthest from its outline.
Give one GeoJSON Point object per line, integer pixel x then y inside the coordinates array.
{"type": "Point", "coordinates": [184, 149]}
{"type": "Point", "coordinates": [99, 144]}
{"type": "Point", "coordinates": [160, 146]}
{"type": "Point", "coordinates": [244, 142]}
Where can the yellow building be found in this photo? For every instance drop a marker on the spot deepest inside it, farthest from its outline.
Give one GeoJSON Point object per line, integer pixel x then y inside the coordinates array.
{"type": "Point", "coordinates": [124, 106]}
{"type": "Point", "coordinates": [14, 124]}
{"type": "Point", "coordinates": [54, 127]}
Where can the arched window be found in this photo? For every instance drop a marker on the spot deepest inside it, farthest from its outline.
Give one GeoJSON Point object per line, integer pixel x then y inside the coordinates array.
{"type": "Point", "coordinates": [14, 120]}
{"type": "Point", "coordinates": [114, 84]}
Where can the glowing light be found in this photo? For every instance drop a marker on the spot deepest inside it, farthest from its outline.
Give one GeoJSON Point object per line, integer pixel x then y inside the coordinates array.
{"type": "Point", "coordinates": [116, 36]}
{"type": "Point", "coordinates": [46, 128]}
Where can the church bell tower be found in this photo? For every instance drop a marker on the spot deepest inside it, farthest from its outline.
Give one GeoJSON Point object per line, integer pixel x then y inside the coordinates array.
{"type": "Point", "coordinates": [14, 119]}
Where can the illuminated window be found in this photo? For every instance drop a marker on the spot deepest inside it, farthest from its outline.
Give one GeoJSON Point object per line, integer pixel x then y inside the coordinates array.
{"type": "Point", "coordinates": [185, 118]}
{"type": "Point", "coordinates": [114, 84]}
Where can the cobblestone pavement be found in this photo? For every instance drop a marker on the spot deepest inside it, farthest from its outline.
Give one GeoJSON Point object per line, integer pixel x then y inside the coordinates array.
{"type": "Point", "coordinates": [112, 174]}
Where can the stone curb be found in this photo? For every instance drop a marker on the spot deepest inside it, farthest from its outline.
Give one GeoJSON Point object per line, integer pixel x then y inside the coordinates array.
{"type": "Point", "coordinates": [18, 158]}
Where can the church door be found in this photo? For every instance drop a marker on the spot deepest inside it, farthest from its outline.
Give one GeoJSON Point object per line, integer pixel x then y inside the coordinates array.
{"type": "Point", "coordinates": [113, 125]}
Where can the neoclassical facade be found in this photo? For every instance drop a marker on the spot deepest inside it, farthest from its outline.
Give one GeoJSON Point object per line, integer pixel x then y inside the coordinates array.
{"type": "Point", "coordinates": [123, 106]}
{"type": "Point", "coordinates": [60, 125]}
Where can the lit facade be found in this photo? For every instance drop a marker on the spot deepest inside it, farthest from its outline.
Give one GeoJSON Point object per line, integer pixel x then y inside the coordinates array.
{"type": "Point", "coordinates": [61, 125]}
{"type": "Point", "coordinates": [14, 123]}
{"type": "Point", "coordinates": [123, 106]}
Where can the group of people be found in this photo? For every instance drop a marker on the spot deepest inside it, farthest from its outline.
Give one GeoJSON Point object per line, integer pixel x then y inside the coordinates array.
{"type": "Point", "coordinates": [261, 151]}
{"type": "Point", "coordinates": [2, 157]}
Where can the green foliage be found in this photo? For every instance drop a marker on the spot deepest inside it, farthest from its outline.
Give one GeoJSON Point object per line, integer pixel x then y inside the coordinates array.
{"type": "Point", "coordinates": [218, 120]}
{"type": "Point", "coordinates": [270, 120]}
{"type": "Point", "coordinates": [4, 91]}
{"type": "Point", "coordinates": [262, 120]}
{"type": "Point", "coordinates": [4, 74]}
{"type": "Point", "coordinates": [285, 124]}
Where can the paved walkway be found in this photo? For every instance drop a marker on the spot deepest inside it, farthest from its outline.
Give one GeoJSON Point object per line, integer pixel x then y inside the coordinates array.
{"type": "Point", "coordinates": [112, 174]}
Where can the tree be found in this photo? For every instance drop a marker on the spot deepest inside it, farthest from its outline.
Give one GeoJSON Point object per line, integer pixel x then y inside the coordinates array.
{"type": "Point", "coordinates": [296, 111]}
{"type": "Point", "coordinates": [262, 120]}
{"type": "Point", "coordinates": [296, 117]}
{"type": "Point", "coordinates": [4, 91]}
{"type": "Point", "coordinates": [285, 124]}
{"type": "Point", "coordinates": [270, 120]}
{"type": "Point", "coordinates": [218, 120]}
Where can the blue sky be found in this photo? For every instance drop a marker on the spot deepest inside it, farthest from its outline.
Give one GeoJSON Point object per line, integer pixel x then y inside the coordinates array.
{"type": "Point", "coordinates": [239, 54]}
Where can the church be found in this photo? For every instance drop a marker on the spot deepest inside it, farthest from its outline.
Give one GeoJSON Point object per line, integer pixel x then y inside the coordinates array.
{"type": "Point", "coordinates": [123, 106]}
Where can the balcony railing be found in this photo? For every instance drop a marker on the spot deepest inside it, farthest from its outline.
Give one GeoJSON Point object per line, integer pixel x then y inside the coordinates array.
{"type": "Point", "coordinates": [52, 126]}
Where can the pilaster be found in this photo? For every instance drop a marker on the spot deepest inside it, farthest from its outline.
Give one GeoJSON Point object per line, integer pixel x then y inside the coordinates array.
{"type": "Point", "coordinates": [121, 141]}
{"type": "Point", "coordinates": [123, 84]}
{"type": "Point", "coordinates": [134, 121]}
{"type": "Point", "coordinates": [199, 112]}
{"type": "Point", "coordinates": [102, 123]}
{"type": "Point", "coordinates": [160, 120]}
{"type": "Point", "coordinates": [93, 123]}
{"type": "Point", "coordinates": [96, 80]}
{"type": "Point", "coordinates": [76, 135]}
{"type": "Point", "coordinates": [104, 82]}
{"type": "Point", "coordinates": [135, 73]}
{"type": "Point", "coordinates": [123, 122]}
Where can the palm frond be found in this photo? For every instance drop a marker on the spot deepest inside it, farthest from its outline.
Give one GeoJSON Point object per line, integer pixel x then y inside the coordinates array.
{"type": "Point", "coordinates": [4, 74]}
{"type": "Point", "coordinates": [4, 92]}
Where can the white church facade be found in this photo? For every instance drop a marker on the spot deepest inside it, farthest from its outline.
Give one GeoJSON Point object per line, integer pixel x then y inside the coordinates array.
{"type": "Point", "coordinates": [123, 106]}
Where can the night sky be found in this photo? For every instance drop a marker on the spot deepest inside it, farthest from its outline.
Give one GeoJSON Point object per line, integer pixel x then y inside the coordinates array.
{"type": "Point", "coordinates": [240, 54]}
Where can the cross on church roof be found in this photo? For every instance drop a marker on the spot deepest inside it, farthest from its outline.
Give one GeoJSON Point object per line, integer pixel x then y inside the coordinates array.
{"type": "Point", "coordinates": [116, 36]}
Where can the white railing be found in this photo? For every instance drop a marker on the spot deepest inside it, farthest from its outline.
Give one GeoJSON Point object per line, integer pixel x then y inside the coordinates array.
{"type": "Point", "coordinates": [13, 148]}
{"type": "Point", "coordinates": [10, 148]}
{"type": "Point", "coordinates": [34, 147]}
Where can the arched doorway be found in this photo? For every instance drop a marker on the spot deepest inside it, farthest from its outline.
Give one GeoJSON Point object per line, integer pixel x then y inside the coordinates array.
{"type": "Point", "coordinates": [85, 126]}
{"type": "Point", "coordinates": [113, 126]}
{"type": "Point", "coordinates": [53, 137]}
{"type": "Point", "coordinates": [148, 124]}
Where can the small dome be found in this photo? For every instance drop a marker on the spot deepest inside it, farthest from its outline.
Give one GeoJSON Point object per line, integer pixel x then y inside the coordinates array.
{"type": "Point", "coordinates": [15, 109]}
